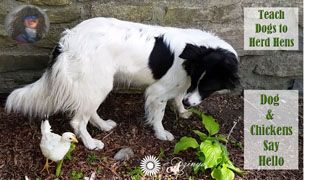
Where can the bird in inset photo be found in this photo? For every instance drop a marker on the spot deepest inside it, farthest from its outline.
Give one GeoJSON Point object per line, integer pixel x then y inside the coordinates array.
{"type": "Point", "coordinates": [54, 146]}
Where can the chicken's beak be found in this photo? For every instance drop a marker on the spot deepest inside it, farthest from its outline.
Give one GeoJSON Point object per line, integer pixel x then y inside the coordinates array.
{"type": "Point", "coordinates": [75, 140]}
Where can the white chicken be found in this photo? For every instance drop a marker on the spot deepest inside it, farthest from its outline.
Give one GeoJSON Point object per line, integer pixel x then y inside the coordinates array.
{"type": "Point", "coordinates": [54, 146]}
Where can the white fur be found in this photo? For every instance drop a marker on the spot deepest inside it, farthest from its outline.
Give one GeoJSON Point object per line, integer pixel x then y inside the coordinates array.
{"type": "Point", "coordinates": [98, 52]}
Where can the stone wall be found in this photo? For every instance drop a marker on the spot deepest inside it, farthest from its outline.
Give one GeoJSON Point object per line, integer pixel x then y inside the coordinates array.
{"type": "Point", "coordinates": [24, 63]}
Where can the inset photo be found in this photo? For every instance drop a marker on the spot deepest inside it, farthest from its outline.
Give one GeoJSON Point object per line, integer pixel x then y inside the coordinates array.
{"type": "Point", "coordinates": [27, 24]}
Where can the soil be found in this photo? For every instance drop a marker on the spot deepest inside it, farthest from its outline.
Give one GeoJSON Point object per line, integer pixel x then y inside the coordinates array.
{"type": "Point", "coordinates": [20, 154]}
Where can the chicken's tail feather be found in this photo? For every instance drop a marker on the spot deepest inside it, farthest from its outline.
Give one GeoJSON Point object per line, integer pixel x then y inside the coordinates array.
{"type": "Point", "coordinates": [45, 127]}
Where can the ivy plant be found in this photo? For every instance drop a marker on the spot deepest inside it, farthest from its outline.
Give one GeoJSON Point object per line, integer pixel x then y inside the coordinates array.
{"type": "Point", "coordinates": [210, 150]}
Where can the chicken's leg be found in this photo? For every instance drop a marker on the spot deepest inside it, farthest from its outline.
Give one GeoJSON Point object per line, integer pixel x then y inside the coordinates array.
{"type": "Point", "coordinates": [46, 166]}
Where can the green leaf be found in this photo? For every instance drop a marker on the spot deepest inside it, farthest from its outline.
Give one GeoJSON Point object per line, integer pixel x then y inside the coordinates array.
{"type": "Point", "coordinates": [74, 173]}
{"type": "Point", "coordinates": [99, 169]}
{"type": "Point", "coordinates": [225, 153]}
{"type": "Point", "coordinates": [92, 158]}
{"type": "Point", "coordinates": [197, 168]}
{"type": "Point", "coordinates": [185, 143]}
{"type": "Point", "coordinates": [137, 171]}
{"type": "Point", "coordinates": [219, 138]}
{"type": "Point", "coordinates": [210, 124]}
{"type": "Point", "coordinates": [233, 168]}
{"type": "Point", "coordinates": [68, 156]}
{"type": "Point", "coordinates": [212, 152]}
{"type": "Point", "coordinates": [201, 156]}
{"type": "Point", "coordinates": [80, 175]}
{"type": "Point", "coordinates": [195, 111]}
{"type": "Point", "coordinates": [202, 135]}
{"type": "Point", "coordinates": [222, 173]}
{"type": "Point", "coordinates": [161, 154]}
{"type": "Point", "coordinates": [59, 166]}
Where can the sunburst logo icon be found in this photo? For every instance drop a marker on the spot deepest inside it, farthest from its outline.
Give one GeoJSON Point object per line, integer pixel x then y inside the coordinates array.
{"type": "Point", "coordinates": [150, 165]}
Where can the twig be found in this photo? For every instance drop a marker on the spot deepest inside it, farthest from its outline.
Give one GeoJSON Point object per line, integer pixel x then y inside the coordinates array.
{"type": "Point", "coordinates": [115, 173]}
{"type": "Point", "coordinates": [107, 135]}
{"type": "Point", "coordinates": [234, 125]}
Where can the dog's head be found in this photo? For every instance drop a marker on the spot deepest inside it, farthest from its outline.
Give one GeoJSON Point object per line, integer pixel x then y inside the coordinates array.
{"type": "Point", "coordinates": [210, 70]}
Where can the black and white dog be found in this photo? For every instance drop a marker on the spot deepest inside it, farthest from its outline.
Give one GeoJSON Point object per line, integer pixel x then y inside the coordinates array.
{"type": "Point", "coordinates": [183, 65]}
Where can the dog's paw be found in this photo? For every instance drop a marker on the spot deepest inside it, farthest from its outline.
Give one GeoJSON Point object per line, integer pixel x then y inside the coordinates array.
{"type": "Point", "coordinates": [93, 144]}
{"type": "Point", "coordinates": [99, 144]}
{"type": "Point", "coordinates": [108, 125]}
{"type": "Point", "coordinates": [185, 115]}
{"type": "Point", "coordinates": [90, 144]}
{"type": "Point", "coordinates": [164, 135]}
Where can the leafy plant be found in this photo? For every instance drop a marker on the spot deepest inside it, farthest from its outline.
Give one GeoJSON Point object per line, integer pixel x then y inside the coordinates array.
{"type": "Point", "coordinates": [136, 173]}
{"type": "Point", "coordinates": [239, 144]}
{"type": "Point", "coordinates": [210, 151]}
{"type": "Point", "coordinates": [92, 158]}
{"type": "Point", "coordinates": [76, 176]}
{"type": "Point", "coordinates": [68, 155]}
{"type": "Point", "coordinates": [105, 159]}
{"type": "Point", "coordinates": [161, 154]}
{"type": "Point", "coordinates": [99, 169]}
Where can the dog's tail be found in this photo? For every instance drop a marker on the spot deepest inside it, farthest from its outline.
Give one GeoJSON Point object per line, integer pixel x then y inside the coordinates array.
{"type": "Point", "coordinates": [53, 92]}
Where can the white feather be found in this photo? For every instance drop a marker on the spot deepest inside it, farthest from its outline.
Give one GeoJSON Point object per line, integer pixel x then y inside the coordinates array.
{"type": "Point", "coordinates": [52, 145]}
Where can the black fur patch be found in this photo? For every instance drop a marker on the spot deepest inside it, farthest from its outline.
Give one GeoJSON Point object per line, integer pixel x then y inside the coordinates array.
{"type": "Point", "coordinates": [219, 65]}
{"type": "Point", "coordinates": [161, 58]}
{"type": "Point", "coordinates": [194, 70]}
{"type": "Point", "coordinates": [55, 53]}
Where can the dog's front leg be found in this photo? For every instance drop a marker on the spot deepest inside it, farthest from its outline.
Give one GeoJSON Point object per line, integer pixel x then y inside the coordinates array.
{"type": "Point", "coordinates": [155, 107]}
{"type": "Point", "coordinates": [79, 124]}
{"type": "Point", "coordinates": [177, 102]}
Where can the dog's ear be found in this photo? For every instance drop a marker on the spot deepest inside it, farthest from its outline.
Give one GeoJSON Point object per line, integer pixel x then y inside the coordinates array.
{"type": "Point", "coordinates": [192, 52]}
{"type": "Point", "coordinates": [226, 59]}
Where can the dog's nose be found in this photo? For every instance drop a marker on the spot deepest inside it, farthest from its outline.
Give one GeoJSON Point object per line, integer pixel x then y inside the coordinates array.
{"type": "Point", "coordinates": [186, 102]}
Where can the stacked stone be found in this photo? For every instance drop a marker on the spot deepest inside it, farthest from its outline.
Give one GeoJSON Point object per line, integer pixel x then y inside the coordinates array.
{"type": "Point", "coordinates": [23, 63]}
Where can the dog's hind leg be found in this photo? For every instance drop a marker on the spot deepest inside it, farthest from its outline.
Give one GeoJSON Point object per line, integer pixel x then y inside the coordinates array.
{"type": "Point", "coordinates": [79, 124]}
{"type": "Point", "coordinates": [102, 124]}
{"type": "Point", "coordinates": [88, 113]}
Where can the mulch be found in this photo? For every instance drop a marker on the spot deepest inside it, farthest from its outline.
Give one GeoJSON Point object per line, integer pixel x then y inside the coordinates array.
{"type": "Point", "coordinates": [20, 153]}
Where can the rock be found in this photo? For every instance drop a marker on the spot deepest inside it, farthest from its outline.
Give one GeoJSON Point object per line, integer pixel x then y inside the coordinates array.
{"type": "Point", "coordinates": [226, 14]}
{"type": "Point", "coordinates": [284, 65]}
{"type": "Point", "coordinates": [17, 62]}
{"type": "Point", "coordinates": [124, 154]}
{"type": "Point", "coordinates": [5, 40]}
{"type": "Point", "coordinates": [181, 16]}
{"type": "Point", "coordinates": [298, 85]}
{"type": "Point", "coordinates": [48, 2]}
{"type": "Point", "coordinates": [12, 80]}
{"type": "Point", "coordinates": [136, 13]}
{"type": "Point", "coordinates": [92, 177]}
{"type": "Point", "coordinates": [20, 68]}
{"type": "Point", "coordinates": [251, 80]}
{"type": "Point", "coordinates": [5, 8]}
{"type": "Point", "coordinates": [64, 14]}
{"type": "Point", "coordinates": [258, 69]}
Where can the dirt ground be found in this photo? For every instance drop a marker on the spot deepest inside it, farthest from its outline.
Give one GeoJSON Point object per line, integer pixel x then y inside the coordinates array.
{"type": "Point", "coordinates": [20, 153]}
